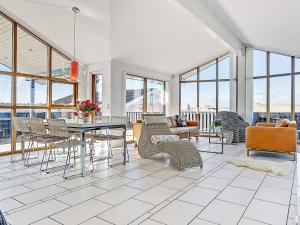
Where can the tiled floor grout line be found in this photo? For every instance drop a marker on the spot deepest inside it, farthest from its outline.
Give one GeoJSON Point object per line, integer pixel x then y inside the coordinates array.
{"type": "Point", "coordinates": [253, 197]}
{"type": "Point", "coordinates": [288, 212]}
{"type": "Point", "coordinates": [123, 172]}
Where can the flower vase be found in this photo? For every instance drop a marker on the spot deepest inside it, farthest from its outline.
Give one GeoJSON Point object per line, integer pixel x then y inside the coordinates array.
{"type": "Point", "coordinates": [86, 119]}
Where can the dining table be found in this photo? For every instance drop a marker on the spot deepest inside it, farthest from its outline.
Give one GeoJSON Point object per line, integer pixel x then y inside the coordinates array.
{"type": "Point", "coordinates": [83, 127]}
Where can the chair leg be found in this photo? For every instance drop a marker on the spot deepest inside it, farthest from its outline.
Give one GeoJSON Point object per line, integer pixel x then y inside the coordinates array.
{"type": "Point", "coordinates": [67, 160]}
{"type": "Point", "coordinates": [42, 163]}
{"type": "Point", "coordinates": [74, 155]}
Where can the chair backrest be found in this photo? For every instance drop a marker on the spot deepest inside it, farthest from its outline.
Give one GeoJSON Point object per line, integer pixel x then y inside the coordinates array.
{"type": "Point", "coordinates": [21, 124]}
{"type": "Point", "coordinates": [120, 119]}
{"type": "Point", "coordinates": [102, 119]}
{"type": "Point", "coordinates": [37, 126]}
{"type": "Point", "coordinates": [231, 120]}
{"type": "Point", "coordinates": [145, 146]}
{"type": "Point", "coordinates": [58, 128]}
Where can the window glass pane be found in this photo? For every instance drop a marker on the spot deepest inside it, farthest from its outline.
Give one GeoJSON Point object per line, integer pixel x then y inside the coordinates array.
{"type": "Point", "coordinates": [224, 96]}
{"type": "Point", "coordinates": [60, 65]}
{"type": "Point", "coordinates": [260, 95]}
{"type": "Point", "coordinates": [297, 98]}
{"type": "Point", "coordinates": [5, 45]}
{"type": "Point", "coordinates": [62, 94]}
{"type": "Point", "coordinates": [207, 97]}
{"type": "Point", "coordinates": [134, 94]}
{"type": "Point", "coordinates": [208, 71]}
{"type": "Point", "coordinates": [297, 65]}
{"type": "Point", "coordinates": [280, 64]}
{"type": "Point", "coordinates": [32, 113]}
{"type": "Point", "coordinates": [155, 96]}
{"type": "Point", "coordinates": [31, 91]}
{"type": "Point", "coordinates": [192, 75]}
{"type": "Point", "coordinates": [98, 89]}
{"type": "Point", "coordinates": [62, 113]}
{"type": "Point", "coordinates": [280, 94]}
{"type": "Point", "coordinates": [32, 55]}
{"type": "Point", "coordinates": [5, 90]}
{"type": "Point", "coordinates": [5, 130]}
{"type": "Point", "coordinates": [259, 63]}
{"type": "Point", "coordinates": [188, 97]}
{"type": "Point", "coordinates": [224, 68]}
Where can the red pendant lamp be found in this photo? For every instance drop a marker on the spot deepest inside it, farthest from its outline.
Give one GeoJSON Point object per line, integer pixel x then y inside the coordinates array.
{"type": "Point", "coordinates": [74, 63]}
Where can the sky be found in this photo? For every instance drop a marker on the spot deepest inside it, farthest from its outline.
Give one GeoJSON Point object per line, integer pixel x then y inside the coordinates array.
{"type": "Point", "coordinates": [24, 89]}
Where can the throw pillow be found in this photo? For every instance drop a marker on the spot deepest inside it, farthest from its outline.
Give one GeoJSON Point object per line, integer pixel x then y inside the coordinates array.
{"type": "Point", "coordinates": [174, 121]}
{"type": "Point", "coordinates": [283, 123]}
{"type": "Point", "coordinates": [170, 124]}
{"type": "Point", "coordinates": [182, 121]}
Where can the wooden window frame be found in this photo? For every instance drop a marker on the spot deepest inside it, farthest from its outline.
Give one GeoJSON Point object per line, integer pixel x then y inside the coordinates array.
{"type": "Point", "coordinates": [50, 80]}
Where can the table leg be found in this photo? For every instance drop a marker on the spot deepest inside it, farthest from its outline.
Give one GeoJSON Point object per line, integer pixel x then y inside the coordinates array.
{"type": "Point", "coordinates": [222, 142]}
{"type": "Point", "coordinates": [125, 145]}
{"type": "Point", "coordinates": [82, 154]}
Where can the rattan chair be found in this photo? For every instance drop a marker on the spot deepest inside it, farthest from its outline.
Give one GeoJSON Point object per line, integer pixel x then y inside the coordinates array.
{"type": "Point", "coordinates": [60, 137]}
{"type": "Point", "coordinates": [21, 126]}
{"type": "Point", "coordinates": [183, 152]}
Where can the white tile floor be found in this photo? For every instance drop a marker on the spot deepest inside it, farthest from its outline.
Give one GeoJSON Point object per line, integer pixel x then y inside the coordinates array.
{"type": "Point", "coordinates": [149, 192]}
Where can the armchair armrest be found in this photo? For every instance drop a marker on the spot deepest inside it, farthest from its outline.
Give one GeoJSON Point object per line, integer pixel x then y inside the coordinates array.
{"type": "Point", "coordinates": [192, 123]}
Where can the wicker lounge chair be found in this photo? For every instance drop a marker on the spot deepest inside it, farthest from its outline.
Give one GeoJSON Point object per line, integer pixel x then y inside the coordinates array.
{"type": "Point", "coordinates": [183, 152]}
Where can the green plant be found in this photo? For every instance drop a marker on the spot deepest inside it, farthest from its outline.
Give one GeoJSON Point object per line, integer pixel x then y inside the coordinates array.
{"type": "Point", "coordinates": [217, 123]}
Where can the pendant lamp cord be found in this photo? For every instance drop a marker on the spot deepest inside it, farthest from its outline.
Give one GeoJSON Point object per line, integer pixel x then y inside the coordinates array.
{"type": "Point", "coordinates": [74, 34]}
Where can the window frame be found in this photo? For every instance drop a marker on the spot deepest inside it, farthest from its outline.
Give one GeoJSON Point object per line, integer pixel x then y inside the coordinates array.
{"type": "Point", "coordinates": [198, 81]}
{"type": "Point", "coordinates": [268, 78]}
{"type": "Point", "coordinates": [49, 79]}
{"type": "Point", "coordinates": [145, 81]}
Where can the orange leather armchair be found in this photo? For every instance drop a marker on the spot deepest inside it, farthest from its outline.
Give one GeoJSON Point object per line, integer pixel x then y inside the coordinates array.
{"type": "Point", "coordinates": [266, 137]}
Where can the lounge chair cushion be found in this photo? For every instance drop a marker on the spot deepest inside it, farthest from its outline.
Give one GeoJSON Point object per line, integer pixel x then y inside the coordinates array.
{"type": "Point", "coordinates": [159, 138]}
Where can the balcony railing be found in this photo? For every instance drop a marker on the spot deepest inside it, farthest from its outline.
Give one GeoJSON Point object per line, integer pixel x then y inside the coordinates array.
{"type": "Point", "coordinates": [205, 119]}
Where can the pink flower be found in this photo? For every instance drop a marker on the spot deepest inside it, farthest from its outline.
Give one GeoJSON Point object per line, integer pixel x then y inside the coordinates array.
{"type": "Point", "coordinates": [75, 113]}
{"type": "Point", "coordinates": [98, 109]}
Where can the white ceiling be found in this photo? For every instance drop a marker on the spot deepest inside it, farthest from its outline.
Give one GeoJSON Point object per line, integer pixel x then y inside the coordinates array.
{"type": "Point", "coordinates": [55, 24]}
{"type": "Point", "coordinates": [269, 24]}
{"type": "Point", "coordinates": [161, 36]}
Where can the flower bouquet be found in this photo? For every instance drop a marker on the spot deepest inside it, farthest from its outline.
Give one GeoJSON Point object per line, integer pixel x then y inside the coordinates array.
{"type": "Point", "coordinates": [85, 109]}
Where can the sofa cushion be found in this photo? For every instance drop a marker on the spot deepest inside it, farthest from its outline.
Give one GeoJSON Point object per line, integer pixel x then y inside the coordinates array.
{"type": "Point", "coordinates": [179, 130]}
{"type": "Point", "coordinates": [174, 121]}
{"type": "Point", "coordinates": [159, 138]}
{"type": "Point", "coordinates": [181, 121]}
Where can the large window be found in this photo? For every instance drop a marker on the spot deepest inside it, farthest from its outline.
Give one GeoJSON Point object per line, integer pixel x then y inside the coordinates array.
{"type": "Point", "coordinates": [274, 76]}
{"type": "Point", "coordinates": [209, 90]}
{"type": "Point", "coordinates": [204, 91]}
{"type": "Point", "coordinates": [144, 95]}
{"type": "Point", "coordinates": [30, 86]}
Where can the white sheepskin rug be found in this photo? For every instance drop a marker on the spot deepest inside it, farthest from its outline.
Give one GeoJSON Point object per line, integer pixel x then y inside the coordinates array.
{"type": "Point", "coordinates": [277, 168]}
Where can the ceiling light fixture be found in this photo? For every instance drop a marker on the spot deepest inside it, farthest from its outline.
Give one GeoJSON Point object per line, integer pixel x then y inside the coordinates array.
{"type": "Point", "coordinates": [74, 63]}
